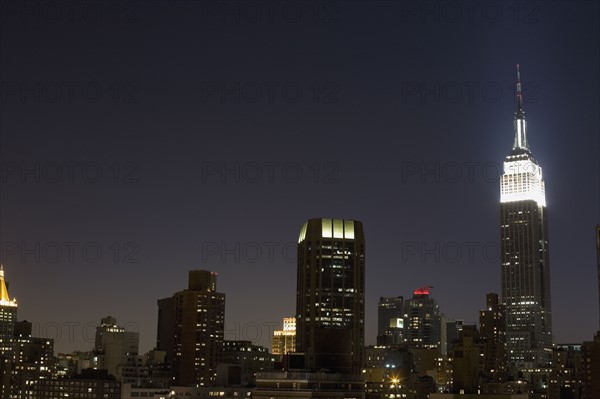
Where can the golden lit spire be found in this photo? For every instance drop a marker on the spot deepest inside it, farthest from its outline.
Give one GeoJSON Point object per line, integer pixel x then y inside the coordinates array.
{"type": "Point", "coordinates": [4, 298]}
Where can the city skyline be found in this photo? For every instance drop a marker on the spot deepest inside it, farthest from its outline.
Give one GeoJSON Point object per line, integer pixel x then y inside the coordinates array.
{"type": "Point", "coordinates": [268, 327]}
{"type": "Point", "coordinates": [166, 204]}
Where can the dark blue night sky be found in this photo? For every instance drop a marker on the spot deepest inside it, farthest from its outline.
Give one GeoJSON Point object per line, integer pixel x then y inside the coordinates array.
{"type": "Point", "coordinates": [143, 140]}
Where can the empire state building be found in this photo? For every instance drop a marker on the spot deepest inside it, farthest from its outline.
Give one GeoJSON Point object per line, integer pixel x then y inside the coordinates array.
{"type": "Point", "coordinates": [524, 252]}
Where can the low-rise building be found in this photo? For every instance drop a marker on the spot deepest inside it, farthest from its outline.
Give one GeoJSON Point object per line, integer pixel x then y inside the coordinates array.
{"type": "Point", "coordinates": [90, 384]}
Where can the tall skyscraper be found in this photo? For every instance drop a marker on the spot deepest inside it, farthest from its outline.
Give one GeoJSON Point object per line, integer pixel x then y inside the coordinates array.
{"type": "Point", "coordinates": [330, 305]}
{"type": "Point", "coordinates": [524, 252]}
{"type": "Point", "coordinates": [199, 322]}
{"type": "Point", "coordinates": [8, 318]}
{"type": "Point", "coordinates": [424, 320]}
{"type": "Point", "coordinates": [390, 321]}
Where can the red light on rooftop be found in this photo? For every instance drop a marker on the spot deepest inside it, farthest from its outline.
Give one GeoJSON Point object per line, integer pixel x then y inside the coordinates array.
{"type": "Point", "coordinates": [422, 290]}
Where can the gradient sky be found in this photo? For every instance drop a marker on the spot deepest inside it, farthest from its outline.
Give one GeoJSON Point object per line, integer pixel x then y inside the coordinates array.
{"type": "Point", "coordinates": [346, 103]}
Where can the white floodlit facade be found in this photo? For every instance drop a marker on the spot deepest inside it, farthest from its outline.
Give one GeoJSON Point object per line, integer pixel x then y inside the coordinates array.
{"type": "Point", "coordinates": [524, 254]}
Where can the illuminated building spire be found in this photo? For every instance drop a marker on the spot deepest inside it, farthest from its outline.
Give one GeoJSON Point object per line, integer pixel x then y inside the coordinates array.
{"type": "Point", "coordinates": [4, 298]}
{"type": "Point", "coordinates": [520, 124]}
{"type": "Point", "coordinates": [519, 95]}
{"type": "Point", "coordinates": [524, 253]}
{"type": "Point", "coordinates": [3, 291]}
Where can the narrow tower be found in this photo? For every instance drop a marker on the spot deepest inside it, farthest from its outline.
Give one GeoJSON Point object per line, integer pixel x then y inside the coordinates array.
{"type": "Point", "coordinates": [525, 287]}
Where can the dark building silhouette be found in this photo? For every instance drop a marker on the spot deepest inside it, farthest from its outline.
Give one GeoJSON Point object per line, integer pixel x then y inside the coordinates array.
{"type": "Point", "coordinates": [598, 260]}
{"type": "Point", "coordinates": [450, 332]}
{"type": "Point", "coordinates": [467, 363]}
{"type": "Point", "coordinates": [330, 302]}
{"type": "Point", "coordinates": [241, 361]}
{"type": "Point", "coordinates": [300, 385]}
{"type": "Point", "coordinates": [197, 327]}
{"type": "Point", "coordinates": [524, 253]}
{"type": "Point", "coordinates": [390, 321]}
{"type": "Point", "coordinates": [492, 329]}
{"type": "Point", "coordinates": [591, 350]}
{"type": "Point", "coordinates": [591, 368]}
{"type": "Point", "coordinates": [165, 334]}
